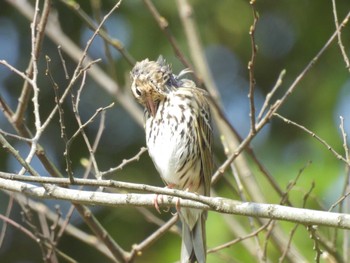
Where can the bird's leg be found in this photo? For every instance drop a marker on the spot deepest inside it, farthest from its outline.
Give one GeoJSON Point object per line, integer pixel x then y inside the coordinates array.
{"type": "Point", "coordinates": [170, 186]}
{"type": "Point", "coordinates": [177, 205]}
{"type": "Point", "coordinates": [155, 202]}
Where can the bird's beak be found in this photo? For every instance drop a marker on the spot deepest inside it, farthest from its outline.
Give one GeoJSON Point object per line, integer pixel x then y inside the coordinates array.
{"type": "Point", "coordinates": [151, 106]}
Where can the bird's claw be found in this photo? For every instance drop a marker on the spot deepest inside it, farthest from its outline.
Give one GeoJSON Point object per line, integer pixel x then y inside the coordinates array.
{"type": "Point", "coordinates": [155, 202]}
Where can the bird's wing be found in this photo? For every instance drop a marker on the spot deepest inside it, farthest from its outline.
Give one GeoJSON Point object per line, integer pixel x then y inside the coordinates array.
{"type": "Point", "coordinates": [205, 136]}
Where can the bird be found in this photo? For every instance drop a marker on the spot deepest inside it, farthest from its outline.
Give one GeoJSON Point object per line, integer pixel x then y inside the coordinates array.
{"type": "Point", "coordinates": [179, 133]}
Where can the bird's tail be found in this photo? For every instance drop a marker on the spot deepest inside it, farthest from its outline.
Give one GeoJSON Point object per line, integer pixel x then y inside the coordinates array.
{"type": "Point", "coordinates": [193, 248]}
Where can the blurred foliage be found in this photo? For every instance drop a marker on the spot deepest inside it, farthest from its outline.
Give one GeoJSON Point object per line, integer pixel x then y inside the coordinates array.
{"type": "Point", "coordinates": [289, 34]}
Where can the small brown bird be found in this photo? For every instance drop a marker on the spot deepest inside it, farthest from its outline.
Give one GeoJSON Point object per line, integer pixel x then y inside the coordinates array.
{"type": "Point", "coordinates": [179, 140]}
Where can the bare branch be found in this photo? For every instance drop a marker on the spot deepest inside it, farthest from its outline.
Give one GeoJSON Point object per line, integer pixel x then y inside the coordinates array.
{"type": "Point", "coordinates": [33, 237]}
{"type": "Point", "coordinates": [26, 90]}
{"type": "Point", "coordinates": [20, 138]}
{"type": "Point", "coordinates": [7, 214]}
{"type": "Point", "coordinates": [223, 205]}
{"type": "Point", "coordinates": [60, 114]}
{"type": "Point", "coordinates": [271, 93]}
{"type": "Point", "coordinates": [7, 146]}
{"type": "Point", "coordinates": [196, 49]}
{"type": "Point", "coordinates": [136, 248]}
{"type": "Point", "coordinates": [18, 226]}
{"type": "Point", "coordinates": [118, 253]}
{"type": "Point", "coordinates": [340, 42]}
{"type": "Point", "coordinates": [251, 65]}
{"type": "Point", "coordinates": [322, 141]}
{"type": "Point", "coordinates": [91, 24]}
{"type": "Point", "coordinates": [293, 86]}
{"type": "Point", "coordinates": [281, 101]}
{"type": "Point", "coordinates": [346, 188]}
{"type": "Point", "coordinates": [63, 61]}
{"type": "Point", "coordinates": [239, 239]}
{"type": "Point", "coordinates": [345, 136]}
{"type": "Point", "coordinates": [18, 72]}
{"type": "Point", "coordinates": [241, 191]}
{"type": "Point", "coordinates": [164, 26]}
{"type": "Point", "coordinates": [124, 163]}
{"type": "Point", "coordinates": [55, 33]}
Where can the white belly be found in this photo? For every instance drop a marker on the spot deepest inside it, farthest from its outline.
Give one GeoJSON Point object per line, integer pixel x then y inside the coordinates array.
{"type": "Point", "coordinates": [168, 140]}
{"type": "Point", "coordinates": [165, 152]}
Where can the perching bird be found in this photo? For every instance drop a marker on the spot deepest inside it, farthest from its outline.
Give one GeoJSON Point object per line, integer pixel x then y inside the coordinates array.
{"type": "Point", "coordinates": [179, 140]}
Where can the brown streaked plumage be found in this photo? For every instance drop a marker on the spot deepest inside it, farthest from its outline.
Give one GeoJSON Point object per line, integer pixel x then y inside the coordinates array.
{"type": "Point", "coordinates": [179, 140]}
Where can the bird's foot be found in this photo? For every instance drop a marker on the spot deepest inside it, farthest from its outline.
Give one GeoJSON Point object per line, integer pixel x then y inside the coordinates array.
{"type": "Point", "coordinates": [156, 205]}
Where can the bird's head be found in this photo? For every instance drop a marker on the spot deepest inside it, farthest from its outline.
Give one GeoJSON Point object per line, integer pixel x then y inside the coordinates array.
{"type": "Point", "coordinates": [152, 81]}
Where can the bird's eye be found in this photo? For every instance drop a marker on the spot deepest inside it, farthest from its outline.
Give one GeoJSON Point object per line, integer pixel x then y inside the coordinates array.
{"type": "Point", "coordinates": [138, 92]}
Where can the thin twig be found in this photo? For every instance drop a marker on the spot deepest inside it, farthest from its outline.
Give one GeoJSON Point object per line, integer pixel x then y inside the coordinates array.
{"type": "Point", "coordinates": [82, 67]}
{"type": "Point", "coordinates": [26, 90]}
{"type": "Point", "coordinates": [97, 228]}
{"type": "Point", "coordinates": [138, 248]}
{"type": "Point", "coordinates": [75, 104]}
{"type": "Point", "coordinates": [340, 42]}
{"type": "Point", "coordinates": [164, 26]}
{"type": "Point", "coordinates": [345, 138]}
{"type": "Point", "coordinates": [291, 185]}
{"type": "Point", "coordinates": [151, 218]}
{"type": "Point", "coordinates": [7, 214]}
{"type": "Point", "coordinates": [312, 229]}
{"type": "Point", "coordinates": [63, 62]}
{"type": "Point", "coordinates": [70, 229]}
{"type": "Point", "coordinates": [18, 72]}
{"type": "Point", "coordinates": [112, 171]}
{"type": "Point", "coordinates": [346, 188]}
{"type": "Point", "coordinates": [50, 253]}
{"type": "Point", "coordinates": [20, 138]}
{"type": "Point", "coordinates": [251, 66]}
{"type": "Point", "coordinates": [239, 239]}
{"type": "Point", "coordinates": [339, 201]}
{"type": "Point", "coordinates": [271, 93]}
{"type": "Point", "coordinates": [241, 193]}
{"type": "Point", "coordinates": [119, 254]}
{"type": "Point", "coordinates": [18, 226]}
{"type": "Point", "coordinates": [33, 237]}
{"type": "Point", "coordinates": [67, 92]}
{"type": "Point", "coordinates": [117, 44]}
{"type": "Point", "coordinates": [279, 102]}
{"type": "Point", "coordinates": [346, 151]}
{"type": "Point", "coordinates": [313, 235]}
{"type": "Point", "coordinates": [196, 49]}
{"type": "Point", "coordinates": [284, 200]}
{"type": "Point", "coordinates": [8, 147]}
{"type": "Point", "coordinates": [81, 130]}
{"type": "Point", "coordinates": [35, 98]}
{"type": "Point", "coordinates": [60, 114]}
{"type": "Point", "coordinates": [292, 232]}
{"type": "Point", "coordinates": [98, 138]}
{"type": "Point", "coordinates": [56, 34]}
{"type": "Point", "coordinates": [330, 148]}
{"type": "Point", "coordinates": [111, 67]}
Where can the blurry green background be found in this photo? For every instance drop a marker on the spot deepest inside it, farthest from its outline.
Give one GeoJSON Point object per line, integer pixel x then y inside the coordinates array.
{"type": "Point", "coordinates": [288, 34]}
